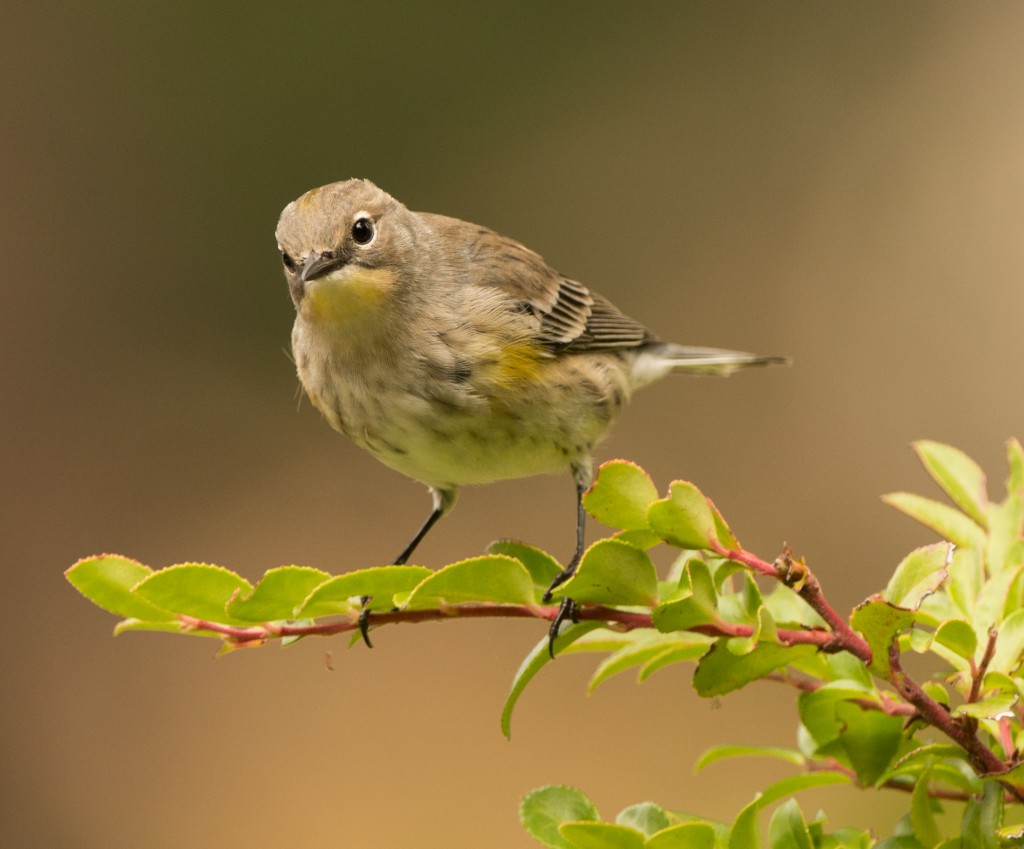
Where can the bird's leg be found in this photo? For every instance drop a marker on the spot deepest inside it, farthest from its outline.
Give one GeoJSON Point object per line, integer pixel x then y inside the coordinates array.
{"type": "Point", "coordinates": [443, 502]}
{"type": "Point", "coordinates": [435, 514]}
{"type": "Point", "coordinates": [567, 608]}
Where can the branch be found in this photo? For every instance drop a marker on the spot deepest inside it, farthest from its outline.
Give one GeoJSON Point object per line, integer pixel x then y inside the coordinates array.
{"type": "Point", "coordinates": [902, 785]}
{"type": "Point", "coordinates": [983, 759]}
{"type": "Point", "coordinates": [620, 619]}
{"type": "Point", "coordinates": [962, 731]}
{"type": "Point", "coordinates": [978, 672]}
{"type": "Point", "coordinates": [798, 577]}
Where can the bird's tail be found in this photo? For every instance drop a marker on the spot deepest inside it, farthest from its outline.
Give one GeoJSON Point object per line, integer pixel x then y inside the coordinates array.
{"type": "Point", "coordinates": [661, 358]}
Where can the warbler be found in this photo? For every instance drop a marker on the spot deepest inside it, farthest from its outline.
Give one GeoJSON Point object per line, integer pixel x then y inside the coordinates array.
{"type": "Point", "coordinates": [458, 356]}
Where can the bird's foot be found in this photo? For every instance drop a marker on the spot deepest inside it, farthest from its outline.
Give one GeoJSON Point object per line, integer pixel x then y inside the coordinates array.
{"type": "Point", "coordinates": [364, 622]}
{"type": "Point", "coordinates": [566, 610]}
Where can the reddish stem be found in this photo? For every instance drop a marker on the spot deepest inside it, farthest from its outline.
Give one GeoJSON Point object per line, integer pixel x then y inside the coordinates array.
{"type": "Point", "coordinates": [625, 620]}
{"type": "Point", "coordinates": [799, 578]}
{"type": "Point", "coordinates": [961, 731]}
{"type": "Point", "coordinates": [978, 672]}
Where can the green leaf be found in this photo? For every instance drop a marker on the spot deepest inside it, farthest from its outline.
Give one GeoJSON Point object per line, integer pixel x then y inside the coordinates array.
{"type": "Point", "coordinates": [638, 653]}
{"type": "Point", "coordinates": [601, 835]}
{"type": "Point", "coordinates": [995, 682]}
{"type": "Point", "coordinates": [880, 623]}
{"type": "Point", "coordinates": [1009, 644]}
{"type": "Point", "coordinates": [1005, 523]}
{"type": "Point", "coordinates": [818, 711]}
{"type": "Point", "coordinates": [536, 660]}
{"type": "Point", "coordinates": [959, 476]}
{"type": "Point", "coordinates": [931, 753]}
{"type": "Point", "coordinates": [645, 817]}
{"type": "Point", "coordinates": [795, 783]}
{"type": "Point", "coordinates": [743, 605]}
{"type": "Point", "coordinates": [764, 632]}
{"type": "Point", "coordinates": [922, 812]}
{"type": "Point", "coordinates": [870, 738]}
{"type": "Point", "coordinates": [990, 608]}
{"type": "Point", "coordinates": [543, 568]}
{"type": "Point", "coordinates": [990, 708]}
{"type": "Point", "coordinates": [603, 641]}
{"type": "Point", "coordinates": [613, 573]}
{"type": "Point", "coordinates": [965, 580]}
{"type": "Point", "coordinates": [621, 495]}
{"type": "Point", "coordinates": [844, 667]}
{"type": "Point", "coordinates": [341, 594]}
{"type": "Point", "coordinates": [943, 763]}
{"type": "Point", "coordinates": [844, 838]}
{"type": "Point", "coordinates": [982, 819]}
{"type": "Point", "coordinates": [722, 531]}
{"type": "Point", "coordinates": [277, 595]}
{"type": "Point", "coordinates": [1009, 836]}
{"type": "Point", "coordinates": [903, 841]}
{"type": "Point", "coordinates": [107, 581]}
{"type": "Point", "coordinates": [199, 590]}
{"type": "Point", "coordinates": [788, 609]}
{"type": "Point", "coordinates": [787, 829]}
{"type": "Point", "coordinates": [721, 753]}
{"type": "Point", "coordinates": [543, 810]}
{"type": "Point", "coordinates": [1014, 776]}
{"type": "Point", "coordinates": [919, 575]}
{"type": "Point", "coordinates": [958, 636]}
{"type": "Point", "coordinates": [935, 609]}
{"type": "Point", "coordinates": [946, 521]}
{"type": "Point", "coordinates": [961, 778]}
{"type": "Point", "coordinates": [490, 578]}
{"type": "Point", "coordinates": [745, 834]}
{"type": "Point", "coordinates": [1015, 458]}
{"type": "Point", "coordinates": [173, 626]}
{"type": "Point", "coordinates": [643, 539]}
{"type": "Point", "coordinates": [720, 671]}
{"type": "Point", "coordinates": [692, 647]}
{"type": "Point", "coordinates": [699, 607]}
{"type": "Point", "coordinates": [686, 835]}
{"type": "Point", "coordinates": [685, 518]}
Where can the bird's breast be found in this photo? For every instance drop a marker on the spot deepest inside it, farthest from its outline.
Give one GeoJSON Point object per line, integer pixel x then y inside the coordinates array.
{"type": "Point", "coordinates": [451, 414]}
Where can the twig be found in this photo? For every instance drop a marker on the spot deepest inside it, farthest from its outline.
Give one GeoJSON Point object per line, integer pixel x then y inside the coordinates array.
{"type": "Point", "coordinates": [978, 672]}
{"type": "Point", "coordinates": [799, 578]}
{"type": "Point", "coordinates": [622, 619]}
{"type": "Point", "coordinates": [982, 758]}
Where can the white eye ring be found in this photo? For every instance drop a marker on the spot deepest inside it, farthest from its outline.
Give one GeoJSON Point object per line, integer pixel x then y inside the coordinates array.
{"type": "Point", "coordinates": [363, 229]}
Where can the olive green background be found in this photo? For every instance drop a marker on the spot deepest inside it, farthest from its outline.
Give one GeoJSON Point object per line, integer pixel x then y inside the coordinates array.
{"type": "Point", "coordinates": [842, 183]}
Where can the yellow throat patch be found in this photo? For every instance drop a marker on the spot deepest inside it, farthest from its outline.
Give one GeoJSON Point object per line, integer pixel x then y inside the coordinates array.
{"type": "Point", "coordinates": [359, 296]}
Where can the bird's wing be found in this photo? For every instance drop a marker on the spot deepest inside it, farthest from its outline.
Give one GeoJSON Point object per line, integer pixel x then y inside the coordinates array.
{"type": "Point", "coordinates": [569, 316]}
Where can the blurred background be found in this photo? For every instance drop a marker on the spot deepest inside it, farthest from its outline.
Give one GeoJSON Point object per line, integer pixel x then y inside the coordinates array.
{"type": "Point", "coordinates": [843, 184]}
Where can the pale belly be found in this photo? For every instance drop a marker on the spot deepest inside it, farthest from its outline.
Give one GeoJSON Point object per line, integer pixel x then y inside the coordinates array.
{"type": "Point", "coordinates": [452, 432]}
{"type": "Point", "coordinates": [445, 447]}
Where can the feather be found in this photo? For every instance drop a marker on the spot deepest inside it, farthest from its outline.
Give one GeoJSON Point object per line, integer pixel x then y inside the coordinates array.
{"type": "Point", "coordinates": [568, 316]}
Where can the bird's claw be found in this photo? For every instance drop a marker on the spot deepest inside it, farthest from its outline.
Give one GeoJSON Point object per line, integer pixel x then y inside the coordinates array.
{"type": "Point", "coordinates": [566, 610]}
{"type": "Point", "coordinates": [364, 624]}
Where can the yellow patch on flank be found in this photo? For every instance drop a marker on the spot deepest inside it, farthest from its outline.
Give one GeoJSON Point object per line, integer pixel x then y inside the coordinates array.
{"type": "Point", "coordinates": [356, 296]}
{"type": "Point", "coordinates": [519, 363]}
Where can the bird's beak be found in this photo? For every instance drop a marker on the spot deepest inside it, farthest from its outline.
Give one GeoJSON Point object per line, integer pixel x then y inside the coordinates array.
{"type": "Point", "coordinates": [317, 265]}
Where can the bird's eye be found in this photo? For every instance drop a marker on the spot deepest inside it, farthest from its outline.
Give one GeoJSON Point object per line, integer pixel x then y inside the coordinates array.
{"type": "Point", "coordinates": [362, 230]}
{"type": "Point", "coordinates": [289, 263]}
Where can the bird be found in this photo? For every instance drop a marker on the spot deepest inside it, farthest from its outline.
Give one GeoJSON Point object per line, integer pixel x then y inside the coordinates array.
{"type": "Point", "coordinates": [458, 356]}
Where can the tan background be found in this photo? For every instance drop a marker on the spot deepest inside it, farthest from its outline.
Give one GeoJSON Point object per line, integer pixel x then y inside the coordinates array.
{"type": "Point", "coordinates": [840, 183]}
